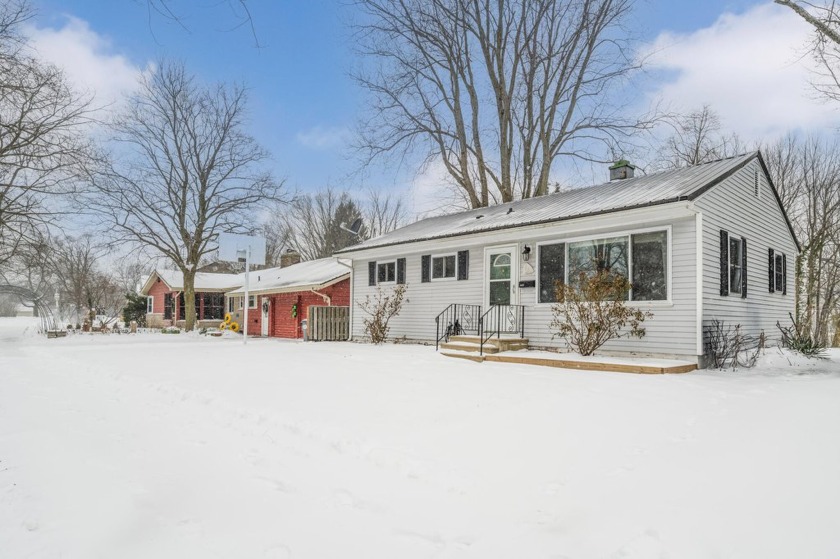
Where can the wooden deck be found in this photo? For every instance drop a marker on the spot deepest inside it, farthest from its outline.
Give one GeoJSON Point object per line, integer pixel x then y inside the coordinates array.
{"type": "Point", "coordinates": [609, 365]}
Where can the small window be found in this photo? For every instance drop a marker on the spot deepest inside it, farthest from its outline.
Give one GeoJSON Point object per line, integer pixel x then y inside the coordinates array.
{"type": "Point", "coordinates": [779, 275]}
{"type": "Point", "coordinates": [443, 267]}
{"type": "Point", "coordinates": [150, 304]}
{"type": "Point", "coordinates": [386, 272]}
{"type": "Point", "coordinates": [252, 301]}
{"type": "Point", "coordinates": [230, 303]}
{"type": "Point", "coordinates": [735, 260]}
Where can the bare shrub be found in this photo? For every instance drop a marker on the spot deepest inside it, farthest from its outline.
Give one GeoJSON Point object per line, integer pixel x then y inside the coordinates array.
{"type": "Point", "coordinates": [797, 338]}
{"type": "Point", "coordinates": [380, 309]}
{"type": "Point", "coordinates": [726, 344]}
{"type": "Point", "coordinates": [594, 311]}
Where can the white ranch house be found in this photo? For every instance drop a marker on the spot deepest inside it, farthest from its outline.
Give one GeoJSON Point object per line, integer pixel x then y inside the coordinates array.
{"type": "Point", "coordinates": [701, 243]}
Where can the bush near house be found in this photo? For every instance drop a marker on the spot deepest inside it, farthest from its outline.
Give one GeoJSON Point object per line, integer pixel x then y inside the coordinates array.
{"type": "Point", "coordinates": [380, 310]}
{"type": "Point", "coordinates": [135, 309]}
{"type": "Point", "coordinates": [593, 310]}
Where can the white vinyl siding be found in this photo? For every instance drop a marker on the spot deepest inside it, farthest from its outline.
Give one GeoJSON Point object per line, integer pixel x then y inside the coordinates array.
{"type": "Point", "coordinates": [671, 332]}
{"type": "Point", "coordinates": [733, 206]}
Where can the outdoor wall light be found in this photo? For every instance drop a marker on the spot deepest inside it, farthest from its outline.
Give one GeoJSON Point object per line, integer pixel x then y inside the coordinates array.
{"type": "Point", "coordinates": [526, 253]}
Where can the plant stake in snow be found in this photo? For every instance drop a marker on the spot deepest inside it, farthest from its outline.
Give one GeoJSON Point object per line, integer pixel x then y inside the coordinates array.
{"type": "Point", "coordinates": [242, 248]}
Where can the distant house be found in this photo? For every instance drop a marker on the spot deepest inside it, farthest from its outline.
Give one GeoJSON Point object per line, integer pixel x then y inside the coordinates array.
{"type": "Point", "coordinates": [22, 310]}
{"type": "Point", "coordinates": [164, 290]}
{"type": "Point", "coordinates": [280, 297]}
{"type": "Point", "coordinates": [698, 244]}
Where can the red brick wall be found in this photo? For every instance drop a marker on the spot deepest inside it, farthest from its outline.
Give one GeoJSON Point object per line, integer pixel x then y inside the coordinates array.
{"type": "Point", "coordinates": [282, 324]}
{"type": "Point", "coordinates": [157, 291]}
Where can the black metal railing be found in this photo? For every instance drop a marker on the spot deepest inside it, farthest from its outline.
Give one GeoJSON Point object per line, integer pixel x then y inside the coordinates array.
{"type": "Point", "coordinates": [498, 320]}
{"type": "Point", "coordinates": [456, 319]}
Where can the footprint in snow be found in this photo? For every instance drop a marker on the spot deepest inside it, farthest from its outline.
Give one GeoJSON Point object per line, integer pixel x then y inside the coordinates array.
{"type": "Point", "coordinates": [644, 546]}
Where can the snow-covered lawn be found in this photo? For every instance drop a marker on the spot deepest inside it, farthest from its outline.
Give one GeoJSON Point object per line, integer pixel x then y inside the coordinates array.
{"type": "Point", "coordinates": [179, 446]}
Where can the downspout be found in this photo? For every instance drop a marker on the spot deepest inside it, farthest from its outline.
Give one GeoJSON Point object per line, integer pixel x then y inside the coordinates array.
{"type": "Point", "coordinates": [326, 298]}
{"type": "Point", "coordinates": [350, 265]}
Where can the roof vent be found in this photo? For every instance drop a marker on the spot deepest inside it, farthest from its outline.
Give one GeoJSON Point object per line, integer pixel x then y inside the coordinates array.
{"type": "Point", "coordinates": [510, 211]}
{"type": "Point", "coordinates": [621, 169]}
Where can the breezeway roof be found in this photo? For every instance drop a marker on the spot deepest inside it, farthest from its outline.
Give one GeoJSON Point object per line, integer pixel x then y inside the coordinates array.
{"type": "Point", "coordinates": [659, 188]}
{"type": "Point", "coordinates": [302, 276]}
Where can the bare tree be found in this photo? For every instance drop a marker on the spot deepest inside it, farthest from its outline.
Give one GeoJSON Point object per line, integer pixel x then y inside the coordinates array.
{"type": "Point", "coordinates": [698, 138]}
{"type": "Point", "coordinates": [316, 225]}
{"type": "Point", "coordinates": [808, 175]}
{"type": "Point", "coordinates": [239, 10]}
{"type": "Point", "coordinates": [186, 171]}
{"type": "Point", "coordinates": [497, 90]}
{"type": "Point", "coordinates": [383, 212]}
{"type": "Point", "coordinates": [43, 147]}
{"type": "Point", "coordinates": [74, 262]}
{"type": "Point", "coordinates": [312, 224]}
{"type": "Point", "coordinates": [824, 17]}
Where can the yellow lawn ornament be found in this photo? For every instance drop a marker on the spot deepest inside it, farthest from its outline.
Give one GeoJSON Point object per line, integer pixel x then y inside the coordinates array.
{"type": "Point", "coordinates": [234, 327]}
{"type": "Point", "coordinates": [228, 318]}
{"type": "Point", "coordinates": [223, 325]}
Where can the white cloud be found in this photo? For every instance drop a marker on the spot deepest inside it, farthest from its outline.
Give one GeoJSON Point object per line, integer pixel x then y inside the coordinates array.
{"type": "Point", "coordinates": [321, 137]}
{"type": "Point", "coordinates": [752, 68]}
{"type": "Point", "coordinates": [88, 60]}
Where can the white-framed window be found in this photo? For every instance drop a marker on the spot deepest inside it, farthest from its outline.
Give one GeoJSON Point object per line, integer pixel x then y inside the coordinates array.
{"type": "Point", "coordinates": [444, 267]}
{"type": "Point", "coordinates": [150, 304]}
{"type": "Point", "coordinates": [252, 301]}
{"type": "Point", "coordinates": [386, 272]}
{"type": "Point", "coordinates": [736, 259]}
{"type": "Point", "coordinates": [642, 257]}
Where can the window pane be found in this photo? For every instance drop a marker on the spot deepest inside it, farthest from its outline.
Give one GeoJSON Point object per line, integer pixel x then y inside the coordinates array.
{"type": "Point", "coordinates": [500, 293]}
{"type": "Point", "coordinates": [779, 273]}
{"type": "Point", "coordinates": [650, 265]}
{"type": "Point", "coordinates": [500, 266]}
{"type": "Point", "coordinates": [590, 257]}
{"type": "Point", "coordinates": [381, 273]}
{"type": "Point", "coordinates": [449, 266]}
{"type": "Point", "coordinates": [552, 270]}
{"type": "Point", "coordinates": [437, 268]}
{"type": "Point", "coordinates": [734, 265]}
{"type": "Point", "coordinates": [392, 271]}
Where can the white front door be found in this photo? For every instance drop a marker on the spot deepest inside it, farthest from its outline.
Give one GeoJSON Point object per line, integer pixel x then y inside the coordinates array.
{"type": "Point", "coordinates": [501, 271]}
{"type": "Point", "coordinates": [266, 311]}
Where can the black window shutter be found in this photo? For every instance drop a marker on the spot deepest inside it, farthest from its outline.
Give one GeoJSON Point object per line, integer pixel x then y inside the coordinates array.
{"type": "Point", "coordinates": [463, 264]}
{"type": "Point", "coordinates": [784, 274]}
{"type": "Point", "coordinates": [772, 268]}
{"type": "Point", "coordinates": [743, 268]}
{"type": "Point", "coordinates": [724, 262]}
{"type": "Point", "coordinates": [371, 273]}
{"type": "Point", "coordinates": [400, 271]}
{"type": "Point", "coordinates": [426, 268]}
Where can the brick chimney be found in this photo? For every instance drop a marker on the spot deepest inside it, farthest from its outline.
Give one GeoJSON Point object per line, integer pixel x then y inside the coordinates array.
{"type": "Point", "coordinates": [621, 169]}
{"type": "Point", "coordinates": [289, 258]}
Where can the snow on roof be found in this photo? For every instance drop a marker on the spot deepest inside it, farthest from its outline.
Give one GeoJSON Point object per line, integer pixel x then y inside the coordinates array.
{"type": "Point", "coordinates": [204, 281]}
{"type": "Point", "coordinates": [659, 188]}
{"type": "Point", "coordinates": [304, 275]}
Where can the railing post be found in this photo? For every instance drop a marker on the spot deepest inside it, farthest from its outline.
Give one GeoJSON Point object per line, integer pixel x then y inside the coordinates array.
{"type": "Point", "coordinates": [437, 331]}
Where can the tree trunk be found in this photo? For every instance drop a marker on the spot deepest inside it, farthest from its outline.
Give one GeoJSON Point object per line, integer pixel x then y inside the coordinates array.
{"type": "Point", "coordinates": [189, 299]}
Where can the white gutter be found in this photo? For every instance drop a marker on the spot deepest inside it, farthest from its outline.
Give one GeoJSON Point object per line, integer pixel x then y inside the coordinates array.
{"type": "Point", "coordinates": [326, 298]}
{"type": "Point", "coordinates": [352, 302]}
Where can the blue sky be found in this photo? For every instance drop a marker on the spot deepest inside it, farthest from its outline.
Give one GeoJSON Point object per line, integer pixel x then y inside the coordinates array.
{"type": "Point", "coordinates": [304, 105]}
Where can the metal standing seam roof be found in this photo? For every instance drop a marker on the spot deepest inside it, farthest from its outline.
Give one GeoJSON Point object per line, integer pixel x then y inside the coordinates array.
{"type": "Point", "coordinates": [659, 188]}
